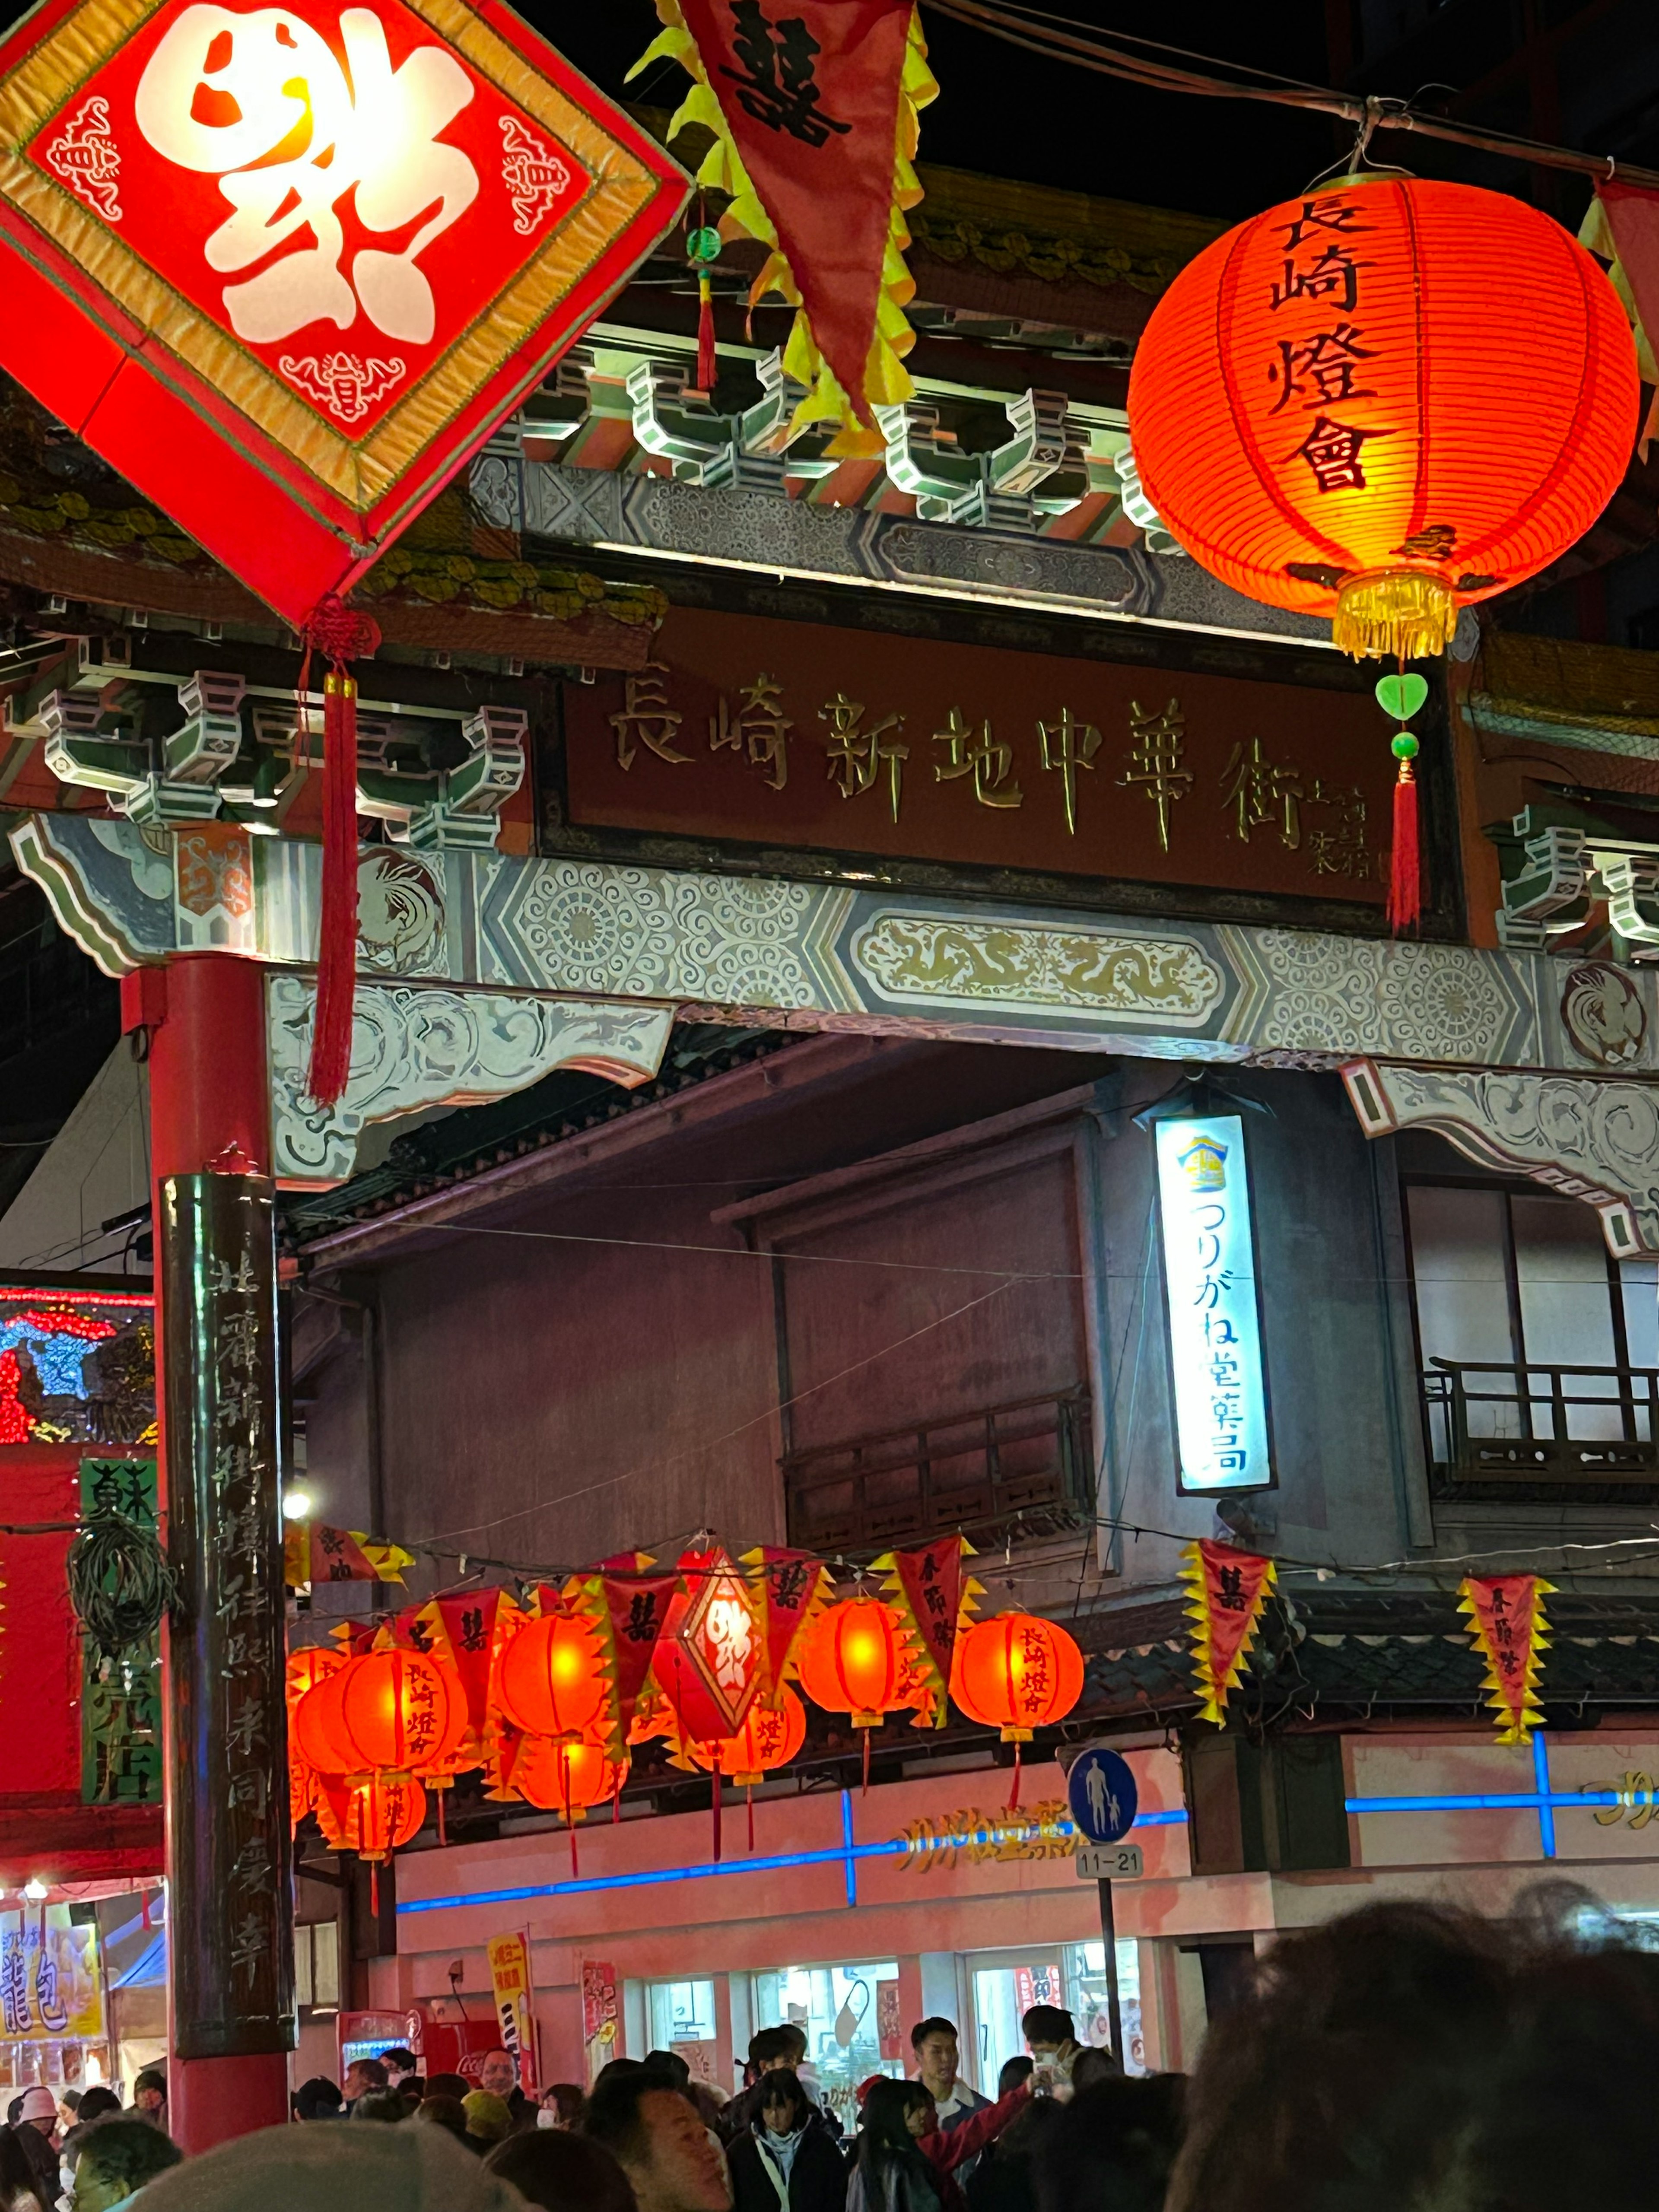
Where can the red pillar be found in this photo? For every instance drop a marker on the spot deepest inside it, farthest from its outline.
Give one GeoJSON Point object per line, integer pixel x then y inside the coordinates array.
{"type": "Point", "coordinates": [230, 1911]}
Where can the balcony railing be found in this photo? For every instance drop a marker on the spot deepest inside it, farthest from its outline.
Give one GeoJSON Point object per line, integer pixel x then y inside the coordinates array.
{"type": "Point", "coordinates": [1030, 1462]}
{"type": "Point", "coordinates": [1538, 1422]}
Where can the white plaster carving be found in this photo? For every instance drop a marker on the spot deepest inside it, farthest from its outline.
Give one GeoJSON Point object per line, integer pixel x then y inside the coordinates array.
{"type": "Point", "coordinates": [420, 1045]}
{"type": "Point", "coordinates": [1595, 1141]}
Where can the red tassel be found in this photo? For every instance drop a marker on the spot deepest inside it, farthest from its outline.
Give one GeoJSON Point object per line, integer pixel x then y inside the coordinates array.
{"type": "Point", "coordinates": [442, 1838]}
{"type": "Point", "coordinates": [374, 1887]}
{"type": "Point", "coordinates": [564, 1778]}
{"type": "Point", "coordinates": [340, 635]}
{"type": "Point", "coordinates": [750, 1794]}
{"type": "Point", "coordinates": [1013, 1795]}
{"type": "Point", "coordinates": [717, 1815]}
{"type": "Point", "coordinates": [1406, 868]}
{"type": "Point", "coordinates": [865, 1790]}
{"type": "Point", "coordinates": [707, 367]}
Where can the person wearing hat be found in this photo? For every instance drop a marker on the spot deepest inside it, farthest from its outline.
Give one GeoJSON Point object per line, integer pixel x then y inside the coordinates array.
{"type": "Point", "coordinates": [37, 2136]}
{"type": "Point", "coordinates": [489, 2118]}
{"type": "Point", "coordinates": [288, 2169]}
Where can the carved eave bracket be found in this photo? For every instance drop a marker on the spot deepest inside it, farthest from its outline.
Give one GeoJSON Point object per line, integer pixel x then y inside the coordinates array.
{"type": "Point", "coordinates": [1593, 1138]}
{"type": "Point", "coordinates": [418, 1045]}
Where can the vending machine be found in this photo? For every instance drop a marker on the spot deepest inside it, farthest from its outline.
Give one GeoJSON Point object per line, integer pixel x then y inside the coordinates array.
{"type": "Point", "coordinates": [440, 2046]}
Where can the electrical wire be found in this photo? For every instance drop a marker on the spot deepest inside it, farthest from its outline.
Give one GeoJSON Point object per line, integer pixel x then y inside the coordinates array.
{"type": "Point", "coordinates": [120, 1584]}
{"type": "Point", "coordinates": [1368, 114]}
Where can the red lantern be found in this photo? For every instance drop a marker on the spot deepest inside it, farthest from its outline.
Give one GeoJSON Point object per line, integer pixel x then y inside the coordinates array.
{"type": "Point", "coordinates": [1382, 402]}
{"type": "Point", "coordinates": [319, 1727]}
{"type": "Point", "coordinates": [769, 1738]}
{"type": "Point", "coordinates": [551, 1679]}
{"type": "Point", "coordinates": [307, 1667]}
{"type": "Point", "coordinates": [855, 1659]}
{"type": "Point", "coordinates": [1017, 1672]}
{"type": "Point", "coordinates": [565, 1777]}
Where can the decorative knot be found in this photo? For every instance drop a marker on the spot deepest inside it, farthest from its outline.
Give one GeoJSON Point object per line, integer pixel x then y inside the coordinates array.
{"type": "Point", "coordinates": [340, 633]}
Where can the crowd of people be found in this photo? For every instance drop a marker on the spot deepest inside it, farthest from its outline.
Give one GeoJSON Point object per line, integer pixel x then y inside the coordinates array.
{"type": "Point", "coordinates": [1400, 2058]}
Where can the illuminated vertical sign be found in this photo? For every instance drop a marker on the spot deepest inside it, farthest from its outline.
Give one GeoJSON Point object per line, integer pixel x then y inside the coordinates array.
{"type": "Point", "coordinates": [1215, 1325]}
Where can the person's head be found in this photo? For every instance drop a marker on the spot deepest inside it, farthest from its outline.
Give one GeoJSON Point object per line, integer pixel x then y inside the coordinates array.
{"type": "Point", "coordinates": [96, 2103]}
{"type": "Point", "coordinates": [1114, 2144]}
{"type": "Point", "coordinates": [499, 2073]}
{"type": "Point", "coordinates": [69, 2107]}
{"type": "Point", "coordinates": [670, 2067]}
{"type": "Point", "coordinates": [40, 2110]}
{"type": "Point", "coordinates": [119, 2157]}
{"type": "Point", "coordinates": [443, 2111]}
{"type": "Point", "coordinates": [150, 2091]}
{"type": "Point", "coordinates": [398, 2063]}
{"type": "Point", "coordinates": [782, 2106]}
{"type": "Point", "coordinates": [894, 2117]}
{"type": "Point", "coordinates": [773, 2047]}
{"type": "Point", "coordinates": [563, 2104]}
{"type": "Point", "coordinates": [1014, 2071]}
{"type": "Point", "coordinates": [1046, 2029]}
{"type": "Point", "coordinates": [562, 2172]}
{"type": "Point", "coordinates": [934, 2042]}
{"type": "Point", "coordinates": [1093, 2065]}
{"type": "Point", "coordinates": [16, 2174]}
{"type": "Point", "coordinates": [447, 2084]}
{"type": "Point", "coordinates": [317, 2100]}
{"type": "Point", "coordinates": [380, 2104]}
{"type": "Point", "coordinates": [363, 2076]}
{"type": "Point", "coordinates": [488, 2117]}
{"type": "Point", "coordinates": [14, 2111]}
{"type": "Point", "coordinates": [659, 2142]}
{"type": "Point", "coordinates": [322, 2169]}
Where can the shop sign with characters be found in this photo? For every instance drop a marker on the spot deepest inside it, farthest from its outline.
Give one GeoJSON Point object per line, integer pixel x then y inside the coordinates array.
{"type": "Point", "coordinates": [49, 1986]}
{"type": "Point", "coordinates": [324, 247]}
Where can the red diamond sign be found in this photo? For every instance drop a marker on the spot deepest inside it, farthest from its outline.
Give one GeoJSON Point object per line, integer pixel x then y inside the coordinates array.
{"type": "Point", "coordinates": [286, 267]}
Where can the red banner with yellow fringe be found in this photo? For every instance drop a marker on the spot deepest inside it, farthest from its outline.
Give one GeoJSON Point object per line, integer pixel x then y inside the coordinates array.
{"type": "Point", "coordinates": [1509, 1630]}
{"type": "Point", "coordinates": [1226, 1589]}
{"type": "Point", "coordinates": [935, 1596]}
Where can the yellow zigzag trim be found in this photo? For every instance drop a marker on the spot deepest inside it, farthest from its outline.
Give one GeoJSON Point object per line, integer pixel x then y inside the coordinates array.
{"type": "Point", "coordinates": [887, 382]}
{"type": "Point", "coordinates": [753, 1564]}
{"type": "Point", "coordinates": [936, 1712]}
{"type": "Point", "coordinates": [1517, 1727]}
{"type": "Point", "coordinates": [1213, 1691]}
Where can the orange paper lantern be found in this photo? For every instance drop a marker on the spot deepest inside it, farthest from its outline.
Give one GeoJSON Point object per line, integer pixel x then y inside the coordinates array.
{"type": "Point", "coordinates": [1017, 1672]}
{"type": "Point", "coordinates": [319, 1729]}
{"type": "Point", "coordinates": [400, 1710]}
{"type": "Point", "coordinates": [769, 1738]}
{"type": "Point", "coordinates": [551, 1679]}
{"type": "Point", "coordinates": [1382, 402]}
{"type": "Point", "coordinates": [565, 1777]}
{"type": "Point", "coordinates": [855, 1659]}
{"type": "Point", "coordinates": [380, 1814]}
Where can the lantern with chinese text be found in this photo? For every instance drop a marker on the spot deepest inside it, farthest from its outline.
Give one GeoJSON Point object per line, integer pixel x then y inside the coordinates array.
{"type": "Point", "coordinates": [1382, 402]}
{"type": "Point", "coordinates": [374, 1816]}
{"type": "Point", "coordinates": [400, 1711]}
{"type": "Point", "coordinates": [1017, 1672]}
{"type": "Point", "coordinates": [710, 1656]}
{"type": "Point", "coordinates": [856, 1658]}
{"type": "Point", "coordinates": [305, 1668]}
{"type": "Point", "coordinates": [565, 1778]}
{"type": "Point", "coordinates": [550, 1679]}
{"type": "Point", "coordinates": [769, 1738]}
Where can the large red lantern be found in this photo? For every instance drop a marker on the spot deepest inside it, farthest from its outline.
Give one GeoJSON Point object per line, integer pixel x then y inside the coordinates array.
{"type": "Point", "coordinates": [400, 1711]}
{"type": "Point", "coordinates": [769, 1738]}
{"type": "Point", "coordinates": [319, 1729]}
{"type": "Point", "coordinates": [1382, 402]}
{"type": "Point", "coordinates": [1017, 1672]}
{"type": "Point", "coordinates": [551, 1678]}
{"type": "Point", "coordinates": [855, 1659]}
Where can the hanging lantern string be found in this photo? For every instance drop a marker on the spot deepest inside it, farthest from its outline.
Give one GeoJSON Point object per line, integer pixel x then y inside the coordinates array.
{"type": "Point", "coordinates": [1041, 36]}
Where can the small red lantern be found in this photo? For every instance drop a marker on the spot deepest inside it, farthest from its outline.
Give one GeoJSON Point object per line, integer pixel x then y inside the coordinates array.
{"type": "Point", "coordinates": [565, 1778]}
{"type": "Point", "coordinates": [551, 1679]}
{"type": "Point", "coordinates": [311, 1664]}
{"type": "Point", "coordinates": [1017, 1672]}
{"type": "Point", "coordinates": [374, 1816]}
{"type": "Point", "coordinates": [769, 1738]}
{"type": "Point", "coordinates": [855, 1659]}
{"type": "Point", "coordinates": [319, 1730]}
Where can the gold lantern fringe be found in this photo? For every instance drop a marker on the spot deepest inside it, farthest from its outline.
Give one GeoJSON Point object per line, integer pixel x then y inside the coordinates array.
{"type": "Point", "coordinates": [1395, 614]}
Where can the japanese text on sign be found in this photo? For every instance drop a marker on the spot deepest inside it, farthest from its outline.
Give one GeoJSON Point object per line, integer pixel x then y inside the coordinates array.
{"type": "Point", "coordinates": [1215, 1329]}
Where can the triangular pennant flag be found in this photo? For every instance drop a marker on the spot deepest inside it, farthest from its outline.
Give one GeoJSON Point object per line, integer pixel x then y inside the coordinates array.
{"type": "Point", "coordinates": [1507, 1624]}
{"type": "Point", "coordinates": [935, 1596]}
{"type": "Point", "coordinates": [628, 1606]}
{"type": "Point", "coordinates": [786, 1590]}
{"type": "Point", "coordinates": [1226, 1590]}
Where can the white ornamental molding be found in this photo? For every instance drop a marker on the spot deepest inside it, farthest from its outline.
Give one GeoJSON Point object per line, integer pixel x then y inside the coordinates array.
{"type": "Point", "coordinates": [1593, 1139]}
{"type": "Point", "coordinates": [414, 1046]}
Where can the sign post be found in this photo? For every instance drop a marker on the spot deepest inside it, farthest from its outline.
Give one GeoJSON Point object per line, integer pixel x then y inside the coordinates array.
{"type": "Point", "coordinates": [1101, 1796]}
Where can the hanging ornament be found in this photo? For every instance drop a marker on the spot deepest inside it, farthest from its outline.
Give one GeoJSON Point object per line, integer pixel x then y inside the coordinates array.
{"type": "Point", "coordinates": [1226, 1589]}
{"type": "Point", "coordinates": [374, 1816]}
{"type": "Point", "coordinates": [320, 1728]}
{"type": "Point", "coordinates": [702, 249]}
{"type": "Point", "coordinates": [769, 1738]}
{"type": "Point", "coordinates": [1385, 400]}
{"type": "Point", "coordinates": [307, 1667]}
{"type": "Point", "coordinates": [399, 1711]}
{"type": "Point", "coordinates": [934, 1596]}
{"type": "Point", "coordinates": [1401, 696]}
{"type": "Point", "coordinates": [627, 1606]}
{"type": "Point", "coordinates": [340, 635]}
{"type": "Point", "coordinates": [708, 1662]}
{"type": "Point", "coordinates": [787, 1590]}
{"type": "Point", "coordinates": [565, 1778]}
{"type": "Point", "coordinates": [1017, 1672]}
{"type": "Point", "coordinates": [856, 1659]}
{"type": "Point", "coordinates": [550, 1679]}
{"type": "Point", "coordinates": [1509, 1630]}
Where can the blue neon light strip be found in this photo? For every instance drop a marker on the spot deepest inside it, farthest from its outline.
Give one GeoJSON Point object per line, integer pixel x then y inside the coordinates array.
{"type": "Point", "coordinates": [848, 1854]}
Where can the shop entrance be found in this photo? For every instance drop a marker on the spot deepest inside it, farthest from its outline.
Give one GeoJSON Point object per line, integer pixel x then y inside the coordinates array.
{"type": "Point", "coordinates": [1006, 1984]}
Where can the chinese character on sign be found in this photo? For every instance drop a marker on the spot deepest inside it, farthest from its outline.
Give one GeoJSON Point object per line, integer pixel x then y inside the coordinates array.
{"type": "Point", "coordinates": [1259, 793]}
{"type": "Point", "coordinates": [856, 754]}
{"type": "Point", "coordinates": [13, 1985]}
{"type": "Point", "coordinates": [1334, 275]}
{"type": "Point", "coordinates": [761, 729]}
{"type": "Point", "coordinates": [647, 717]}
{"type": "Point", "coordinates": [225, 92]}
{"type": "Point", "coordinates": [1155, 761]}
{"type": "Point", "coordinates": [1069, 745]}
{"type": "Point", "coordinates": [977, 753]}
{"type": "Point", "coordinates": [1325, 365]}
{"type": "Point", "coordinates": [777, 83]}
{"type": "Point", "coordinates": [1332, 451]}
{"type": "Point", "coordinates": [1340, 848]}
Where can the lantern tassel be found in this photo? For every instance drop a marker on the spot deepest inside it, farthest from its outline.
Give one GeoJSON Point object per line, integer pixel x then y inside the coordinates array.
{"type": "Point", "coordinates": [865, 1790]}
{"type": "Point", "coordinates": [707, 365]}
{"type": "Point", "coordinates": [1013, 1795]}
{"type": "Point", "coordinates": [442, 1837]}
{"type": "Point", "coordinates": [750, 1794]}
{"type": "Point", "coordinates": [1406, 865]}
{"type": "Point", "coordinates": [374, 1887]}
{"type": "Point", "coordinates": [1393, 614]}
{"type": "Point", "coordinates": [715, 1808]}
{"type": "Point", "coordinates": [340, 635]}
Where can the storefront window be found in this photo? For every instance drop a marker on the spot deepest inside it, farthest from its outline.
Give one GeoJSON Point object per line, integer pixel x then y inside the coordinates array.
{"type": "Point", "coordinates": [850, 2017]}
{"type": "Point", "coordinates": [1072, 1976]}
{"type": "Point", "coordinates": [680, 2012]}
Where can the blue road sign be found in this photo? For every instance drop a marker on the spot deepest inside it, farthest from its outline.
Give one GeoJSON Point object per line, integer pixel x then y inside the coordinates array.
{"type": "Point", "coordinates": [1101, 1792]}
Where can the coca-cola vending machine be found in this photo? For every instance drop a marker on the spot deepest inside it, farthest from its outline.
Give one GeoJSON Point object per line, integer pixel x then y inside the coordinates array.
{"type": "Point", "coordinates": [440, 2046]}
